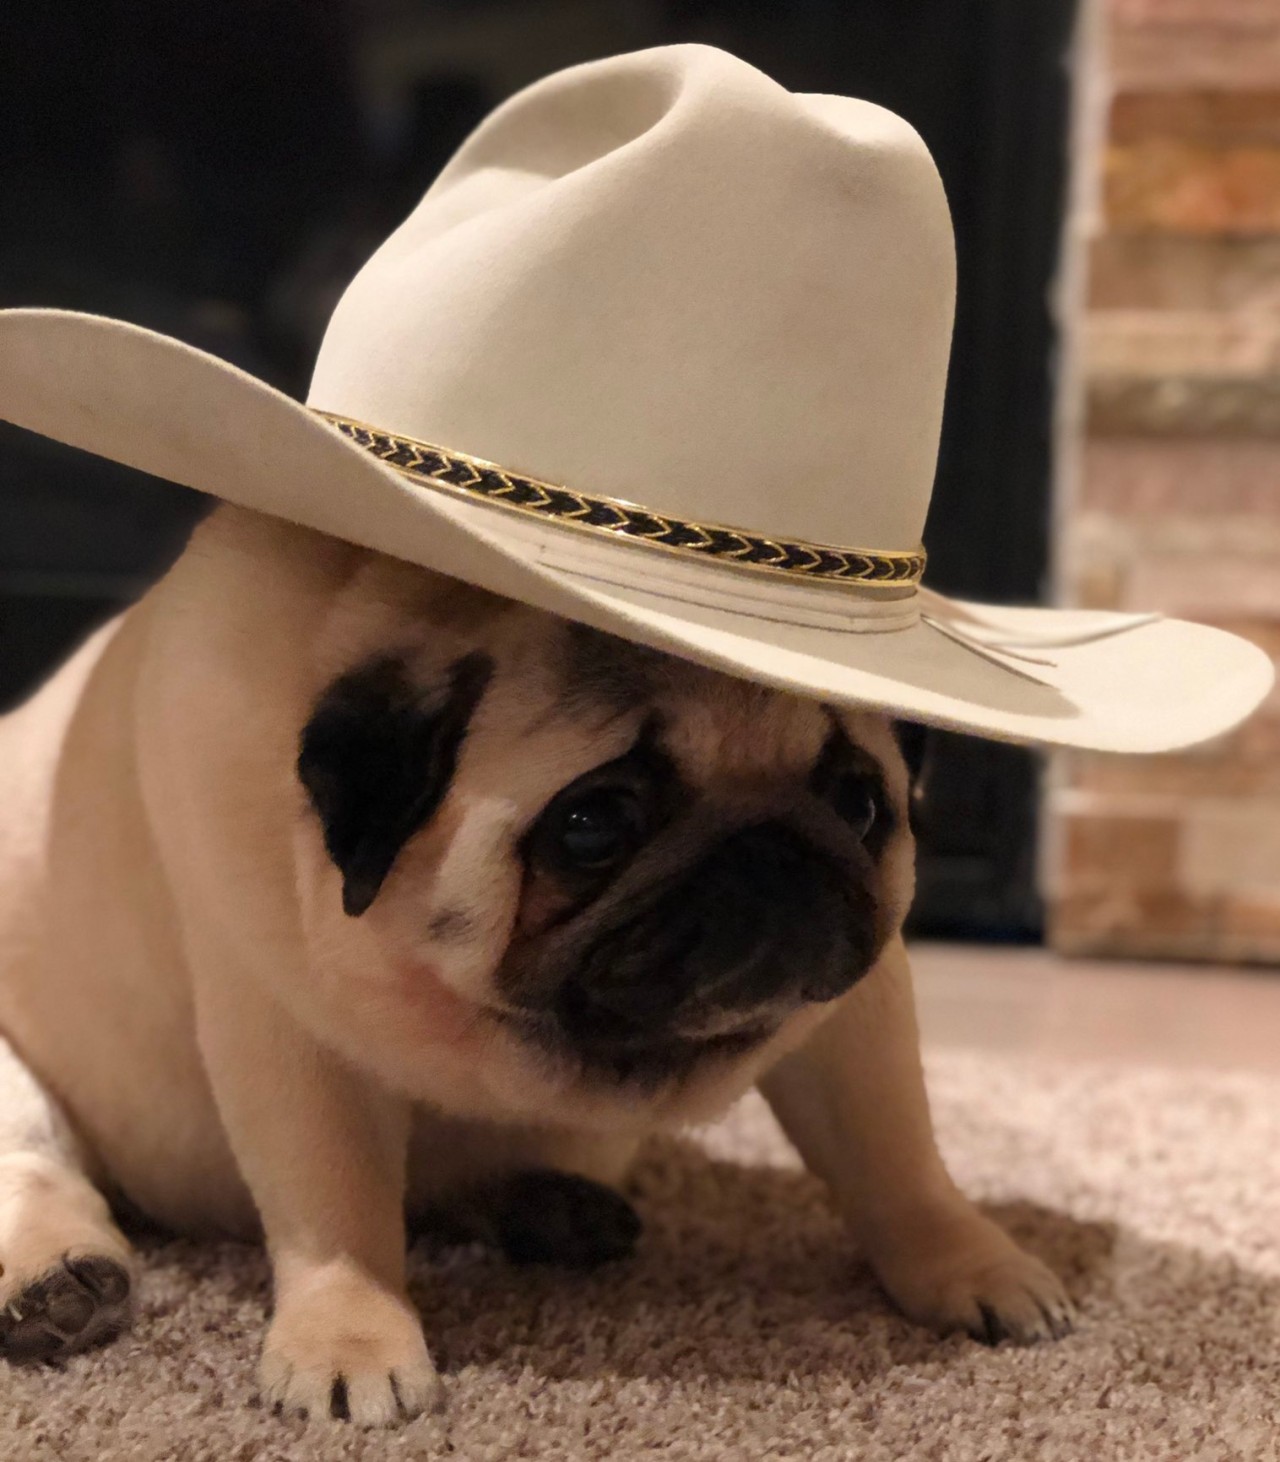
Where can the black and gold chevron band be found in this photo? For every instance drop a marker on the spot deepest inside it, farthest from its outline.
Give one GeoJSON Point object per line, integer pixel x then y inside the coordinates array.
{"type": "Point", "coordinates": [455, 472]}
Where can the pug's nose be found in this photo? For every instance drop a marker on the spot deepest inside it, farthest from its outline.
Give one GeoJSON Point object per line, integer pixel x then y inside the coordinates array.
{"type": "Point", "coordinates": [778, 918]}
{"type": "Point", "coordinates": [763, 913]}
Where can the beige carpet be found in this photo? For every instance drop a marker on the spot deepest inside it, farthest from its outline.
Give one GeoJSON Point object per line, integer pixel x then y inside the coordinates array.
{"type": "Point", "coordinates": [743, 1330]}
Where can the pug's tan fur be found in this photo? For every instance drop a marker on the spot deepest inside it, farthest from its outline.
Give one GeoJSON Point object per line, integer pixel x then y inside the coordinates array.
{"type": "Point", "coordinates": [193, 1021]}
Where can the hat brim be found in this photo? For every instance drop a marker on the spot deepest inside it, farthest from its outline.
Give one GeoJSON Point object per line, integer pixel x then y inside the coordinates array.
{"type": "Point", "coordinates": [158, 405]}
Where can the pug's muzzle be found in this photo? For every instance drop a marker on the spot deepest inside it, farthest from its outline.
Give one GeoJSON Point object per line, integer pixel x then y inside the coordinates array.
{"type": "Point", "coordinates": [706, 944]}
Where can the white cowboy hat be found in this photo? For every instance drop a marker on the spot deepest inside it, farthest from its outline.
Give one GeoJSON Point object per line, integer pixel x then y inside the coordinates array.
{"type": "Point", "coordinates": [664, 295]}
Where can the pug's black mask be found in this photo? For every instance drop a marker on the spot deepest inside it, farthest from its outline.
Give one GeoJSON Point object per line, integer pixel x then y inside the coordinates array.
{"type": "Point", "coordinates": [695, 923]}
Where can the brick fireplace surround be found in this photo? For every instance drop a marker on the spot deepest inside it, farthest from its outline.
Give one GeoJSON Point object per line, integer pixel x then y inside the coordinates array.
{"type": "Point", "coordinates": [1173, 502]}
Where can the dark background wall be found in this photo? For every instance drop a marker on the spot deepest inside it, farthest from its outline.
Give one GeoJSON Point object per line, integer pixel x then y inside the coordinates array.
{"type": "Point", "coordinates": [219, 170]}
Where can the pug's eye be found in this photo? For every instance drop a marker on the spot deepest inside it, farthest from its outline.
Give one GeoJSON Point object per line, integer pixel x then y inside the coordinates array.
{"type": "Point", "coordinates": [855, 798]}
{"type": "Point", "coordinates": [593, 832]}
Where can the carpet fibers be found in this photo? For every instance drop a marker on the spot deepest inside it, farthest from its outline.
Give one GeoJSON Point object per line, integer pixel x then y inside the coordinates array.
{"type": "Point", "coordinates": [744, 1330]}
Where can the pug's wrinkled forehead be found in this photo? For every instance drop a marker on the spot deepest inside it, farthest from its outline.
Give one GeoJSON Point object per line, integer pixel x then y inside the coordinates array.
{"type": "Point", "coordinates": [724, 736]}
{"type": "Point", "coordinates": [715, 729]}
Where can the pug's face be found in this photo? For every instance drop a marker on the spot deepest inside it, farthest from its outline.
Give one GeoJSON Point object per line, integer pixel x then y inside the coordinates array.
{"type": "Point", "coordinates": [544, 871]}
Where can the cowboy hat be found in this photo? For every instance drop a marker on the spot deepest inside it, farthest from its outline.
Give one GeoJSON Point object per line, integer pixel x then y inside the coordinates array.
{"type": "Point", "coordinates": [662, 350]}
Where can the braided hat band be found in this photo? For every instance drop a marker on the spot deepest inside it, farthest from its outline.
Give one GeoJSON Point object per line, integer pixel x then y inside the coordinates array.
{"type": "Point", "coordinates": [455, 472]}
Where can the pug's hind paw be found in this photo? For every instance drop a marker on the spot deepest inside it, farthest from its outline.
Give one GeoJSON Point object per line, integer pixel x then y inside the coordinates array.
{"type": "Point", "coordinates": [546, 1217]}
{"type": "Point", "coordinates": [83, 1300]}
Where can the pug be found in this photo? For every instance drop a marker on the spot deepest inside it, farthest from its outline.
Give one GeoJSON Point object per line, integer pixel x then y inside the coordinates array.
{"type": "Point", "coordinates": [334, 891]}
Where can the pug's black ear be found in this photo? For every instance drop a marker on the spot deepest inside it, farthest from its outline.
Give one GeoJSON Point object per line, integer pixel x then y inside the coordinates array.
{"type": "Point", "coordinates": [377, 758]}
{"type": "Point", "coordinates": [915, 743]}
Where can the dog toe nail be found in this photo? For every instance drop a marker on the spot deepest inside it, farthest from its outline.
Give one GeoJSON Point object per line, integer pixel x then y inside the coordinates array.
{"type": "Point", "coordinates": [993, 1329]}
{"type": "Point", "coordinates": [339, 1403]}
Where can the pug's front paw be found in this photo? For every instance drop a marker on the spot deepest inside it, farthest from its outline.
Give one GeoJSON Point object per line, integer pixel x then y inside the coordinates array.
{"type": "Point", "coordinates": [951, 1268]}
{"type": "Point", "coordinates": [341, 1346]}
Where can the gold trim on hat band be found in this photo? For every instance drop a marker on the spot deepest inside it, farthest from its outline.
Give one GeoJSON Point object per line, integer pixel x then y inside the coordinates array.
{"type": "Point", "coordinates": [471, 477]}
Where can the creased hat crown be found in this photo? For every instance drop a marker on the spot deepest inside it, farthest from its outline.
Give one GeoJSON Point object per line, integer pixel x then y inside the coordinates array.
{"type": "Point", "coordinates": [663, 278]}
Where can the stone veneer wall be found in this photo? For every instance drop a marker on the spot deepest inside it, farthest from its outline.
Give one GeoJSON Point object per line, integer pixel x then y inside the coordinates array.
{"type": "Point", "coordinates": [1175, 497]}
